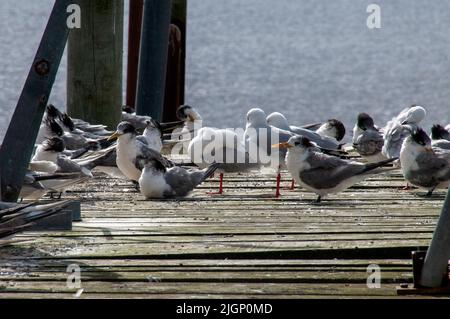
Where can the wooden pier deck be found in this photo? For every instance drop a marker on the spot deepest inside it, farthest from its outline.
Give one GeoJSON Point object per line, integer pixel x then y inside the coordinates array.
{"type": "Point", "coordinates": [239, 245]}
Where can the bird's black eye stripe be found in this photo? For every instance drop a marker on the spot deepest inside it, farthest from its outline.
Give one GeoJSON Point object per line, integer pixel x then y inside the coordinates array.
{"type": "Point", "coordinates": [297, 143]}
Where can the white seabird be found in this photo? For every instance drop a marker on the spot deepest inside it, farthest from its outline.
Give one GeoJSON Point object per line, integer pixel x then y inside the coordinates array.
{"type": "Point", "coordinates": [399, 128]}
{"type": "Point", "coordinates": [130, 148]}
{"type": "Point", "coordinates": [278, 120]}
{"type": "Point", "coordinates": [223, 147]}
{"type": "Point", "coordinates": [259, 137]}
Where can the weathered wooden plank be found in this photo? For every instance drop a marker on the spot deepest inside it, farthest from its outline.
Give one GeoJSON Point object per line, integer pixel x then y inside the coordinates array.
{"type": "Point", "coordinates": [155, 288]}
{"type": "Point", "coordinates": [129, 247]}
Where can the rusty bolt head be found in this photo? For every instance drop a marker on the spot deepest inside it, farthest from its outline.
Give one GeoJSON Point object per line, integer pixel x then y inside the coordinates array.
{"type": "Point", "coordinates": [42, 67]}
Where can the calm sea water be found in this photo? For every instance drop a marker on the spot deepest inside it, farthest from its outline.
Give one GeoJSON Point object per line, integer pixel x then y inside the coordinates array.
{"type": "Point", "coordinates": [310, 59]}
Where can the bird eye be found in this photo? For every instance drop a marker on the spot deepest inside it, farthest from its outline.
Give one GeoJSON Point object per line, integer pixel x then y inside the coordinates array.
{"type": "Point", "coordinates": [297, 143]}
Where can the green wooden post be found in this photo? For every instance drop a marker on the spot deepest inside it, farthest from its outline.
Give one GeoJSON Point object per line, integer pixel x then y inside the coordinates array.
{"type": "Point", "coordinates": [94, 73]}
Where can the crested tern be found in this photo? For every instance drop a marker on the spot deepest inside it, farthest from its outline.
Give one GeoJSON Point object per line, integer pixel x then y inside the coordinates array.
{"type": "Point", "coordinates": [158, 181]}
{"type": "Point", "coordinates": [321, 173]}
{"type": "Point", "coordinates": [422, 165]}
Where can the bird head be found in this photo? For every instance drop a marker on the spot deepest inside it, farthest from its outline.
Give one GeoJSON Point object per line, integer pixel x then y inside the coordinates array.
{"type": "Point", "coordinates": [333, 128]}
{"type": "Point", "coordinates": [420, 138]}
{"type": "Point", "coordinates": [54, 127]}
{"type": "Point", "coordinates": [52, 112]}
{"type": "Point", "coordinates": [439, 132]}
{"type": "Point", "coordinates": [188, 113]}
{"type": "Point", "coordinates": [54, 144]}
{"type": "Point", "coordinates": [67, 121]}
{"type": "Point", "coordinates": [151, 164]}
{"type": "Point", "coordinates": [365, 121]}
{"type": "Point", "coordinates": [278, 120]}
{"type": "Point", "coordinates": [123, 129]}
{"type": "Point", "coordinates": [297, 143]}
{"type": "Point", "coordinates": [153, 125]}
{"type": "Point", "coordinates": [256, 116]}
{"type": "Point", "coordinates": [415, 114]}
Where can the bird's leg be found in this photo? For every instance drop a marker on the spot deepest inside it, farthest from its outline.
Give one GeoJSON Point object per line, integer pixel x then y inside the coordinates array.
{"type": "Point", "coordinates": [292, 187]}
{"type": "Point", "coordinates": [406, 188]}
{"type": "Point", "coordinates": [60, 194]}
{"type": "Point", "coordinates": [319, 199]}
{"type": "Point", "coordinates": [221, 183]}
{"type": "Point", "coordinates": [51, 195]}
{"type": "Point", "coordinates": [430, 192]}
{"type": "Point", "coordinates": [277, 192]}
{"type": "Point", "coordinates": [136, 186]}
{"type": "Point", "coordinates": [220, 192]}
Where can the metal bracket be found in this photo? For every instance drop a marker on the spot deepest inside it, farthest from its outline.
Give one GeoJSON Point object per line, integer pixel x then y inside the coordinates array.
{"type": "Point", "coordinates": [19, 140]}
{"type": "Point", "coordinates": [60, 222]}
{"type": "Point", "coordinates": [418, 260]}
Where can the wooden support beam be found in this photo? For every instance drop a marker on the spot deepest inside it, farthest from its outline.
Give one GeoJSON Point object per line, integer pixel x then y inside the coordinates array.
{"type": "Point", "coordinates": [153, 58]}
{"type": "Point", "coordinates": [134, 39]}
{"type": "Point", "coordinates": [21, 135]}
{"type": "Point", "coordinates": [94, 72]}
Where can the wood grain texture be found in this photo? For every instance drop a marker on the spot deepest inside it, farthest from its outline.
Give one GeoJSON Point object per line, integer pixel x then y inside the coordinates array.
{"type": "Point", "coordinates": [244, 244]}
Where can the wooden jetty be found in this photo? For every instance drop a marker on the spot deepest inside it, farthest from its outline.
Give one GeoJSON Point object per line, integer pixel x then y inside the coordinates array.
{"type": "Point", "coordinates": [244, 244]}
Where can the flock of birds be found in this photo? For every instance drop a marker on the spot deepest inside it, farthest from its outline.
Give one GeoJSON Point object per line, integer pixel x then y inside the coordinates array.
{"type": "Point", "coordinates": [68, 149]}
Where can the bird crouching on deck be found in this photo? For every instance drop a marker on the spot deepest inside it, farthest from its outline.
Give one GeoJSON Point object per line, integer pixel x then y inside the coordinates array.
{"type": "Point", "coordinates": [158, 181]}
{"type": "Point", "coordinates": [321, 173]}
{"type": "Point", "coordinates": [423, 165]}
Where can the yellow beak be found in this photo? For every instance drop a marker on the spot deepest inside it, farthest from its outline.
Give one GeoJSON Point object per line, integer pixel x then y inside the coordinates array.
{"type": "Point", "coordinates": [282, 145]}
{"type": "Point", "coordinates": [114, 136]}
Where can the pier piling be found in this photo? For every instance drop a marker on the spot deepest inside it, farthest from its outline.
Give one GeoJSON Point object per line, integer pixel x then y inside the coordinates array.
{"type": "Point", "coordinates": [94, 72]}
{"type": "Point", "coordinates": [153, 58]}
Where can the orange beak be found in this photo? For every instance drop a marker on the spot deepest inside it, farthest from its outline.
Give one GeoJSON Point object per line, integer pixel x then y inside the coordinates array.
{"type": "Point", "coordinates": [282, 145]}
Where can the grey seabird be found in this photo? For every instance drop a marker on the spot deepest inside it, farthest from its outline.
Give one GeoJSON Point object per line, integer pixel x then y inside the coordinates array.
{"type": "Point", "coordinates": [321, 173]}
{"type": "Point", "coordinates": [158, 181]}
{"type": "Point", "coordinates": [422, 165]}
{"type": "Point", "coordinates": [367, 139]}
{"type": "Point", "coordinates": [262, 135]}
